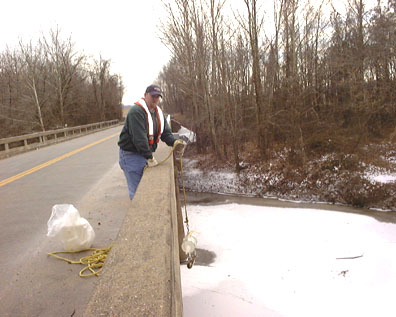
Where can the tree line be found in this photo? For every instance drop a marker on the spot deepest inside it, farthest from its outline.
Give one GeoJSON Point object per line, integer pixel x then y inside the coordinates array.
{"type": "Point", "coordinates": [283, 74]}
{"type": "Point", "coordinates": [50, 84]}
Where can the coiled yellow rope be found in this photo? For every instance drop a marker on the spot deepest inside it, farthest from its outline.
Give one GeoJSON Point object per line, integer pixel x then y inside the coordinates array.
{"type": "Point", "coordinates": [91, 262]}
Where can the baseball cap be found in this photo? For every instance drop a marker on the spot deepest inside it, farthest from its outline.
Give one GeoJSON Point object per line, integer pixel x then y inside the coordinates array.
{"type": "Point", "coordinates": [154, 90]}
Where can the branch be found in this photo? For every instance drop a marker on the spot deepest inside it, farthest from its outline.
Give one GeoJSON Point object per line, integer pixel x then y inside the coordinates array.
{"type": "Point", "coordinates": [13, 119]}
{"type": "Point", "coordinates": [350, 257]}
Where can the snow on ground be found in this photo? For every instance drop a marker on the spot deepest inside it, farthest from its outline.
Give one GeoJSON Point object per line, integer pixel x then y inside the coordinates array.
{"type": "Point", "coordinates": [328, 187]}
{"type": "Point", "coordinates": [374, 174]}
{"type": "Point", "coordinates": [384, 178]}
{"type": "Point", "coordinates": [226, 182]}
{"type": "Point", "coordinates": [284, 262]}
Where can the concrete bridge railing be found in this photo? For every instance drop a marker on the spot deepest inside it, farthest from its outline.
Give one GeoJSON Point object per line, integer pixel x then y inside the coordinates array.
{"type": "Point", "coordinates": [141, 276]}
{"type": "Point", "coordinates": [18, 144]}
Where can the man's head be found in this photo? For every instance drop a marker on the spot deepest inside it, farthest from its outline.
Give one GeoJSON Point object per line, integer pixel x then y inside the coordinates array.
{"type": "Point", "coordinates": [154, 90]}
{"type": "Point", "coordinates": [152, 96]}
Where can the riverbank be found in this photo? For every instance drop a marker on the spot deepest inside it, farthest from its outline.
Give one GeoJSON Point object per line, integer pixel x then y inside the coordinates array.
{"type": "Point", "coordinates": [364, 180]}
{"type": "Point", "coordinates": [212, 199]}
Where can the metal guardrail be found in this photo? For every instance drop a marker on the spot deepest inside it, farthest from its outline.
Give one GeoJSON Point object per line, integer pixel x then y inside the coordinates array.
{"type": "Point", "coordinates": [26, 142]}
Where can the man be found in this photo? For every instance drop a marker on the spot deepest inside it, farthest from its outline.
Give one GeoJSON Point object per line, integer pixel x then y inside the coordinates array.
{"type": "Point", "coordinates": [144, 126]}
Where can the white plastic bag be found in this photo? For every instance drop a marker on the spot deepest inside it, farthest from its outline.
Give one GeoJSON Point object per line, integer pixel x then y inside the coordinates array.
{"type": "Point", "coordinates": [73, 231]}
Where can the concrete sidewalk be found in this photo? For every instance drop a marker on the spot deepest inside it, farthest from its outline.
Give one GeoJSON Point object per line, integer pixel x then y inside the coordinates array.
{"type": "Point", "coordinates": [141, 276]}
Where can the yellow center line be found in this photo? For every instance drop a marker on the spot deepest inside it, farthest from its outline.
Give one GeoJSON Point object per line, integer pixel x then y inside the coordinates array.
{"type": "Point", "coordinates": [53, 161]}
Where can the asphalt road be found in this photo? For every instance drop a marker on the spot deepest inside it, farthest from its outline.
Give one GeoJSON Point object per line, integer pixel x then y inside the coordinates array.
{"type": "Point", "coordinates": [32, 283]}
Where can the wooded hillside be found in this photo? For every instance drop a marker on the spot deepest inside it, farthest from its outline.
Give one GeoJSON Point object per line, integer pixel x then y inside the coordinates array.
{"type": "Point", "coordinates": [49, 84]}
{"type": "Point", "coordinates": [290, 74]}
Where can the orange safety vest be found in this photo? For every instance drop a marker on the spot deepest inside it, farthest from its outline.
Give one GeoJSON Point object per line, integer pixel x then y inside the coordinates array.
{"type": "Point", "coordinates": [160, 121]}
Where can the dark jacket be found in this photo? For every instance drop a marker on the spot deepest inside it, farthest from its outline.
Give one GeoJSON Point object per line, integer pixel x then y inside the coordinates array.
{"type": "Point", "coordinates": [133, 137]}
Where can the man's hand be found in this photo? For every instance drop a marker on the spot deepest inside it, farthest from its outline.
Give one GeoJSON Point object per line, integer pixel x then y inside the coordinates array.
{"type": "Point", "coordinates": [179, 145]}
{"type": "Point", "coordinates": [152, 162]}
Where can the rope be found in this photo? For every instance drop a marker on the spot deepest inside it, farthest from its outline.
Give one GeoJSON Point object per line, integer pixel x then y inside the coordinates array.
{"type": "Point", "coordinates": [184, 192]}
{"type": "Point", "coordinates": [191, 256]}
{"type": "Point", "coordinates": [182, 177]}
{"type": "Point", "coordinates": [91, 262]}
{"type": "Point", "coordinates": [163, 161]}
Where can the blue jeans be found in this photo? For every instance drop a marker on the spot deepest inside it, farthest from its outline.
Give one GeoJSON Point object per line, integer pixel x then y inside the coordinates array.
{"type": "Point", "coordinates": [133, 165]}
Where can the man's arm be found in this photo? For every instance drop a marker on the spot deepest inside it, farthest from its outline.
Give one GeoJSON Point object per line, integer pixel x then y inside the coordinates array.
{"type": "Point", "coordinates": [167, 135]}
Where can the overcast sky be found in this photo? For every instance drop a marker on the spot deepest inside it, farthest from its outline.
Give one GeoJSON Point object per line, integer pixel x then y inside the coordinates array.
{"type": "Point", "coordinates": [124, 31]}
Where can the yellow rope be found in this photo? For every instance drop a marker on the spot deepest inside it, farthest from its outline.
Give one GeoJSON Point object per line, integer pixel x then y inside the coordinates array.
{"type": "Point", "coordinates": [91, 262]}
{"type": "Point", "coordinates": [164, 160]}
{"type": "Point", "coordinates": [184, 193]}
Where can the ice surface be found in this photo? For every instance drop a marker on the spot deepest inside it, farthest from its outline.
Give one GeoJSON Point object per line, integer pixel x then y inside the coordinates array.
{"type": "Point", "coordinates": [286, 262]}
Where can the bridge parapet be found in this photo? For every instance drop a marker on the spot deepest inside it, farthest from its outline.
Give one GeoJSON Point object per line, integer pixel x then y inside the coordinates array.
{"type": "Point", "coordinates": [141, 276]}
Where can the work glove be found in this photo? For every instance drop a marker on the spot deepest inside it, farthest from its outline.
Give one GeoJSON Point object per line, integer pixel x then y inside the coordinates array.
{"type": "Point", "coordinates": [152, 162]}
{"type": "Point", "coordinates": [179, 145]}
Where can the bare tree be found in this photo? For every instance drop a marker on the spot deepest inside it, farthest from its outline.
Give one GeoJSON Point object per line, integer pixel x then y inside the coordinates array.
{"type": "Point", "coordinates": [179, 36]}
{"type": "Point", "coordinates": [64, 62]}
{"type": "Point", "coordinates": [14, 117]}
{"type": "Point", "coordinates": [311, 86]}
{"type": "Point", "coordinates": [35, 72]}
{"type": "Point", "coordinates": [100, 77]}
{"type": "Point", "coordinates": [46, 84]}
{"type": "Point", "coordinates": [254, 28]}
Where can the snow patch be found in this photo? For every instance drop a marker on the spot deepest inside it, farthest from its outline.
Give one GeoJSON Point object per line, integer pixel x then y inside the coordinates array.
{"type": "Point", "coordinates": [379, 175]}
{"type": "Point", "coordinates": [385, 178]}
